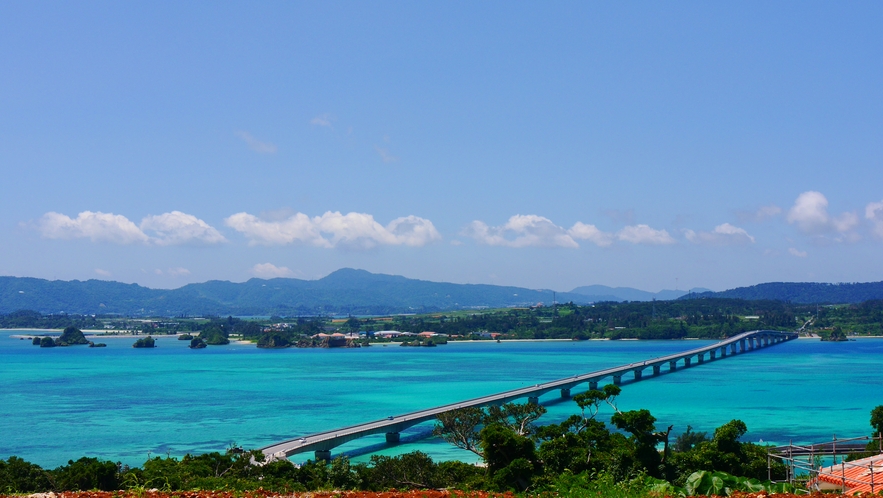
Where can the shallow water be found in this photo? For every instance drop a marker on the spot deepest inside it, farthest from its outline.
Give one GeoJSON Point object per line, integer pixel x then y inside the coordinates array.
{"type": "Point", "coordinates": [121, 403]}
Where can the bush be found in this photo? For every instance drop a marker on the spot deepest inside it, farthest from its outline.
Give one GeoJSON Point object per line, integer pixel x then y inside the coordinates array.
{"type": "Point", "coordinates": [87, 474]}
{"type": "Point", "coordinates": [20, 476]}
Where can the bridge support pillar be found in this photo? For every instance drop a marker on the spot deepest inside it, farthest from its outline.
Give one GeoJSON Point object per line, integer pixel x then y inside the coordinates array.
{"type": "Point", "coordinates": [617, 380]}
{"type": "Point", "coordinates": [533, 400]}
{"type": "Point", "coordinates": [701, 358]}
{"type": "Point", "coordinates": [656, 369]}
{"type": "Point", "coordinates": [593, 384]}
{"type": "Point", "coordinates": [393, 437]}
{"type": "Point", "coordinates": [742, 348]}
{"type": "Point", "coordinates": [723, 352]}
{"type": "Point", "coordinates": [565, 393]}
{"type": "Point", "coordinates": [323, 455]}
{"type": "Point", "coordinates": [639, 374]}
{"type": "Point", "coordinates": [712, 354]}
{"type": "Point", "coordinates": [687, 361]}
{"type": "Point", "coordinates": [672, 366]}
{"type": "Point", "coordinates": [733, 348]}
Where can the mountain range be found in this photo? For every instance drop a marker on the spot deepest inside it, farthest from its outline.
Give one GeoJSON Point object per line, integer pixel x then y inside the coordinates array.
{"type": "Point", "coordinates": [345, 291]}
{"type": "Point", "coordinates": [598, 293]}
{"type": "Point", "coordinates": [358, 292]}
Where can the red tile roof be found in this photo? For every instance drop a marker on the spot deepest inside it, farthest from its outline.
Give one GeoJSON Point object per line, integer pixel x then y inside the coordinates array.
{"type": "Point", "coordinates": [858, 476]}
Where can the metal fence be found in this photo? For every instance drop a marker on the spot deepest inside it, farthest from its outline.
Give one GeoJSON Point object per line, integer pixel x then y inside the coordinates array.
{"type": "Point", "coordinates": [807, 463]}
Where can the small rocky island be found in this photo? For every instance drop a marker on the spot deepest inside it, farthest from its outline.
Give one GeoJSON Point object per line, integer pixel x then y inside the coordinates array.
{"type": "Point", "coordinates": [197, 343]}
{"type": "Point", "coordinates": [836, 335]}
{"type": "Point", "coordinates": [71, 336]}
{"type": "Point", "coordinates": [145, 342]}
{"type": "Point", "coordinates": [273, 341]}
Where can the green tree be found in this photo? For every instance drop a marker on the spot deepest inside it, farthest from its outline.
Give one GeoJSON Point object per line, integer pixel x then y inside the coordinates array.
{"type": "Point", "coordinates": [877, 420]}
{"type": "Point", "coordinates": [689, 439]}
{"type": "Point", "coordinates": [20, 476]}
{"type": "Point", "coordinates": [411, 470]}
{"type": "Point", "coordinates": [87, 474]}
{"type": "Point", "coordinates": [460, 428]}
{"type": "Point", "coordinates": [518, 417]}
{"type": "Point", "coordinates": [511, 458]}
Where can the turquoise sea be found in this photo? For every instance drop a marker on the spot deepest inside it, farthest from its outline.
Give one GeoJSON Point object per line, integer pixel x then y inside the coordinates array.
{"type": "Point", "coordinates": [122, 404]}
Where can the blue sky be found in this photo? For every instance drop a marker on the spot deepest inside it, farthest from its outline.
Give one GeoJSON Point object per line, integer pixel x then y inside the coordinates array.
{"type": "Point", "coordinates": [545, 145]}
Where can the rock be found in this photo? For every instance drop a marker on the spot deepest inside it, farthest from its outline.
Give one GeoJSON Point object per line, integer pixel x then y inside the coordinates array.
{"type": "Point", "coordinates": [70, 337]}
{"type": "Point", "coordinates": [146, 342]}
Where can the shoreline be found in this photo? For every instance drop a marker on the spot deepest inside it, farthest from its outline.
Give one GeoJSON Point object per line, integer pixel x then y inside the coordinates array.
{"type": "Point", "coordinates": [122, 334]}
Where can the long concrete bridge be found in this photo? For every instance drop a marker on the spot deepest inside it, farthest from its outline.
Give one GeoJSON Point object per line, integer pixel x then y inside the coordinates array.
{"type": "Point", "coordinates": [323, 442]}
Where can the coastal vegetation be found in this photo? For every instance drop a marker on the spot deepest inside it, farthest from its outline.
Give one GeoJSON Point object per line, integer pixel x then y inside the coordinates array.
{"type": "Point", "coordinates": [215, 335]}
{"type": "Point", "coordinates": [71, 336]}
{"type": "Point", "coordinates": [581, 456]}
{"type": "Point", "coordinates": [145, 342]}
{"type": "Point", "coordinates": [679, 319]}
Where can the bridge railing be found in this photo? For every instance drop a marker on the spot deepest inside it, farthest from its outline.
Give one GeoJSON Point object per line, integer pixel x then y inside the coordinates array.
{"type": "Point", "coordinates": [324, 441]}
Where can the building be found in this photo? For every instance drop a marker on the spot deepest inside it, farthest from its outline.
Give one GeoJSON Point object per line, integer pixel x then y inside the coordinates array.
{"type": "Point", "coordinates": [850, 478]}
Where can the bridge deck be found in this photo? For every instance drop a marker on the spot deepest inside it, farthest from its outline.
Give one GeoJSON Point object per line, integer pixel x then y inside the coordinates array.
{"type": "Point", "coordinates": [325, 441]}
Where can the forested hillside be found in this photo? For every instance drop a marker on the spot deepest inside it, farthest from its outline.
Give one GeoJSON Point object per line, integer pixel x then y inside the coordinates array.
{"type": "Point", "coordinates": [803, 292]}
{"type": "Point", "coordinates": [345, 291]}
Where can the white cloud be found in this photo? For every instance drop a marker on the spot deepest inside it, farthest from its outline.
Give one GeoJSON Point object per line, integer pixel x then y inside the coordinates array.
{"type": "Point", "coordinates": [103, 273]}
{"type": "Point", "coordinates": [325, 120]}
{"type": "Point", "coordinates": [385, 155]}
{"type": "Point", "coordinates": [169, 228]}
{"type": "Point", "coordinates": [269, 270]}
{"type": "Point", "coordinates": [96, 226]}
{"type": "Point", "coordinates": [413, 231]}
{"type": "Point", "coordinates": [795, 252]}
{"type": "Point", "coordinates": [255, 144]}
{"type": "Point", "coordinates": [521, 231]}
{"type": "Point", "coordinates": [297, 228]}
{"type": "Point", "coordinates": [810, 214]}
{"type": "Point", "coordinates": [538, 231]}
{"type": "Point", "coordinates": [724, 234]}
{"type": "Point", "coordinates": [333, 229]}
{"type": "Point", "coordinates": [643, 234]}
{"type": "Point", "coordinates": [180, 228]}
{"type": "Point", "coordinates": [874, 213]}
{"type": "Point", "coordinates": [582, 231]}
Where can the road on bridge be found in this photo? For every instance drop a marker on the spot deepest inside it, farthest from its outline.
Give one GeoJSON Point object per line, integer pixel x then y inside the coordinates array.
{"type": "Point", "coordinates": [323, 442]}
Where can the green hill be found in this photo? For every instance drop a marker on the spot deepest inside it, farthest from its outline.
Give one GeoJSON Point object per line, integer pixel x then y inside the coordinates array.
{"type": "Point", "coordinates": [345, 291]}
{"type": "Point", "coordinates": [802, 292]}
